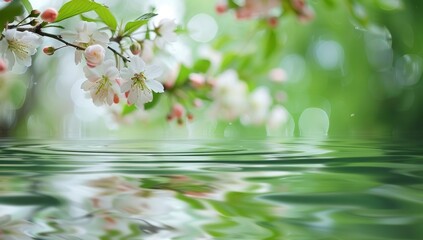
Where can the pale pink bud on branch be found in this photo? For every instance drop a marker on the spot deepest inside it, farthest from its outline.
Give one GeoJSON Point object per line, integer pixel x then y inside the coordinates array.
{"type": "Point", "coordinates": [49, 50]}
{"type": "Point", "coordinates": [221, 8]}
{"type": "Point", "coordinates": [49, 15]}
{"type": "Point", "coordinates": [178, 111]}
{"type": "Point", "coordinates": [135, 48]}
{"type": "Point", "coordinates": [34, 13]}
{"type": "Point", "coordinates": [94, 55]}
{"type": "Point", "coordinates": [3, 66]}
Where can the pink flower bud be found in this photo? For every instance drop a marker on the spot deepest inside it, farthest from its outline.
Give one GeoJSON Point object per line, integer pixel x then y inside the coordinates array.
{"type": "Point", "coordinates": [190, 116]}
{"type": "Point", "coordinates": [94, 55]}
{"type": "Point", "coordinates": [7, 0]}
{"type": "Point", "coordinates": [273, 21]}
{"type": "Point", "coordinates": [3, 66]}
{"type": "Point", "coordinates": [34, 13]}
{"type": "Point", "coordinates": [178, 110]}
{"type": "Point", "coordinates": [197, 80]}
{"type": "Point", "coordinates": [49, 15]}
{"type": "Point", "coordinates": [135, 48]}
{"type": "Point", "coordinates": [49, 50]}
{"type": "Point", "coordinates": [278, 75]}
{"type": "Point", "coordinates": [198, 103]}
{"type": "Point", "coordinates": [221, 8]}
{"type": "Point", "coordinates": [116, 99]}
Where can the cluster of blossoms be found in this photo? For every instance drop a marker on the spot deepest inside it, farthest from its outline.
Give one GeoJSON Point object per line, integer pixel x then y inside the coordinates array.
{"type": "Point", "coordinates": [127, 75]}
{"type": "Point", "coordinates": [268, 9]}
{"type": "Point", "coordinates": [231, 100]}
{"type": "Point", "coordinates": [105, 82]}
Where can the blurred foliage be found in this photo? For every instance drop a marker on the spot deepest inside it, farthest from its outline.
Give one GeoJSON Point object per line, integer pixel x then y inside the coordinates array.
{"type": "Point", "coordinates": [368, 86]}
{"type": "Point", "coordinates": [361, 97]}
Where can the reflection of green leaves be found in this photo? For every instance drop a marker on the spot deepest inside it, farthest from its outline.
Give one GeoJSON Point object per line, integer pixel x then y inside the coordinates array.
{"type": "Point", "coordinates": [29, 200]}
{"type": "Point", "coordinates": [238, 206]}
{"type": "Point", "coordinates": [170, 183]}
{"type": "Point", "coordinates": [192, 202]}
{"type": "Point", "coordinates": [9, 13]}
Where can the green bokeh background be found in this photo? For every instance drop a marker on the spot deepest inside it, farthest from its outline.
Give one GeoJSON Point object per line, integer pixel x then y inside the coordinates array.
{"type": "Point", "coordinates": [361, 98]}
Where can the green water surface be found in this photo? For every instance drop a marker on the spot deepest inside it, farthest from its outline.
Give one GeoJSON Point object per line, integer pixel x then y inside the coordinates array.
{"type": "Point", "coordinates": [217, 189]}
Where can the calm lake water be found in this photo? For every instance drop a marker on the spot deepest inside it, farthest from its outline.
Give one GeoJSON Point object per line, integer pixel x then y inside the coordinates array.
{"type": "Point", "coordinates": [218, 189]}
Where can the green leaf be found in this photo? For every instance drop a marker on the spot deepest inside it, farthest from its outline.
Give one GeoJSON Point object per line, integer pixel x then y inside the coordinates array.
{"type": "Point", "coordinates": [233, 4]}
{"type": "Point", "coordinates": [330, 3]}
{"type": "Point", "coordinates": [127, 109]}
{"type": "Point", "coordinates": [27, 5]}
{"type": "Point", "coordinates": [390, 4]}
{"type": "Point", "coordinates": [201, 66]}
{"type": "Point", "coordinates": [147, 16]}
{"type": "Point", "coordinates": [182, 76]}
{"type": "Point", "coordinates": [76, 7]}
{"type": "Point", "coordinates": [133, 26]}
{"type": "Point", "coordinates": [104, 13]}
{"type": "Point", "coordinates": [8, 13]}
{"type": "Point", "coordinates": [270, 43]}
{"type": "Point", "coordinates": [228, 60]}
{"type": "Point", "coordinates": [156, 99]}
{"type": "Point", "coordinates": [88, 19]}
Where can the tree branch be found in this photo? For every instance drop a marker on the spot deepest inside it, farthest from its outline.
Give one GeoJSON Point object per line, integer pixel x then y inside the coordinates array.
{"type": "Point", "coordinates": [119, 54]}
{"type": "Point", "coordinates": [59, 38]}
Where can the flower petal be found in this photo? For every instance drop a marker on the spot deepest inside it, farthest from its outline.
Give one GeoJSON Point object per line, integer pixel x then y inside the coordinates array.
{"type": "Point", "coordinates": [153, 71]}
{"type": "Point", "coordinates": [127, 74]}
{"type": "Point", "coordinates": [155, 86]}
{"type": "Point", "coordinates": [138, 64]}
{"type": "Point", "coordinates": [146, 96]}
{"type": "Point", "coordinates": [133, 96]}
{"type": "Point", "coordinates": [126, 86]}
{"type": "Point", "coordinates": [10, 59]}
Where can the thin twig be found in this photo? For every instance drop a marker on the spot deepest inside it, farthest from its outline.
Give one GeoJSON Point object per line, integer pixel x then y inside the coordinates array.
{"type": "Point", "coordinates": [56, 37]}
{"type": "Point", "coordinates": [59, 38]}
{"type": "Point", "coordinates": [119, 54]}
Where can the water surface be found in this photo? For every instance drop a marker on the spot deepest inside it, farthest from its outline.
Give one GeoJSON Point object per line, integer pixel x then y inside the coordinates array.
{"type": "Point", "coordinates": [216, 189]}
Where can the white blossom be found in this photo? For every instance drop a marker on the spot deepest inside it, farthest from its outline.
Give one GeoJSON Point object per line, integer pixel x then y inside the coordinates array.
{"type": "Point", "coordinates": [229, 95]}
{"type": "Point", "coordinates": [86, 34]}
{"type": "Point", "coordinates": [165, 32]}
{"type": "Point", "coordinates": [278, 116]}
{"type": "Point", "coordinates": [94, 55]}
{"type": "Point", "coordinates": [102, 83]}
{"type": "Point", "coordinates": [18, 47]}
{"type": "Point", "coordinates": [259, 103]}
{"type": "Point", "coordinates": [257, 8]}
{"type": "Point", "coordinates": [147, 50]}
{"type": "Point", "coordinates": [140, 81]}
